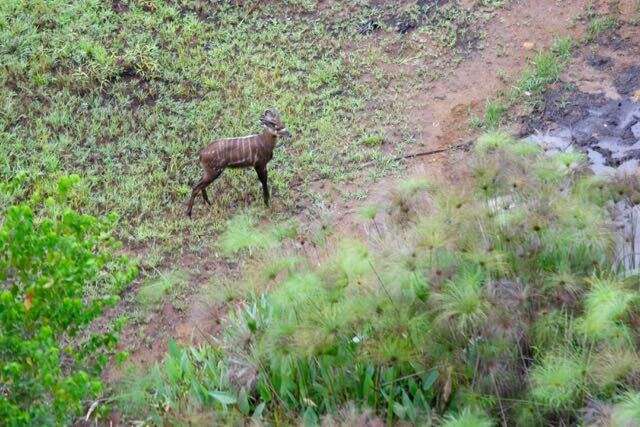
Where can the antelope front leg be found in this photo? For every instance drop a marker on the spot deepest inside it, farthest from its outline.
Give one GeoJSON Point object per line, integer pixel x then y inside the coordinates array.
{"type": "Point", "coordinates": [262, 175]}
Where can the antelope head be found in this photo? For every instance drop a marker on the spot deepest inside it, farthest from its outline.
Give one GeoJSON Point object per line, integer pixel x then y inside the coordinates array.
{"type": "Point", "coordinates": [273, 124]}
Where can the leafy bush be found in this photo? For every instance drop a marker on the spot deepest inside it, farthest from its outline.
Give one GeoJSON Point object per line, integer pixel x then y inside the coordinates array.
{"type": "Point", "coordinates": [57, 274]}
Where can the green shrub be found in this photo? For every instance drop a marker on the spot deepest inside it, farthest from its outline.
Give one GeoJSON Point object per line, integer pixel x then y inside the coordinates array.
{"type": "Point", "coordinates": [58, 273]}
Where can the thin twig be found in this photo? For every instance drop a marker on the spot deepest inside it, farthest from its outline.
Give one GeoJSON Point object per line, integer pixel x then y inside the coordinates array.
{"type": "Point", "coordinates": [396, 159]}
{"type": "Point", "coordinates": [94, 405]}
{"type": "Point", "coordinates": [431, 152]}
{"type": "Point", "coordinates": [385, 289]}
{"type": "Point", "coordinates": [495, 387]}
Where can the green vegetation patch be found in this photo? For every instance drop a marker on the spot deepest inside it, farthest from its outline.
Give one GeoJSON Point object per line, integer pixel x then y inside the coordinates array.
{"type": "Point", "coordinates": [496, 300]}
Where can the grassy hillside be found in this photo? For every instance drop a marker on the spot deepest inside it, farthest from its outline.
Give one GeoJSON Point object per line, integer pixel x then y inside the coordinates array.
{"type": "Point", "coordinates": [126, 93]}
{"type": "Point", "coordinates": [494, 301]}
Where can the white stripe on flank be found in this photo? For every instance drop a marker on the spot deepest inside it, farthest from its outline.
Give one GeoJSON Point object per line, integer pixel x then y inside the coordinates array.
{"type": "Point", "coordinates": [244, 150]}
{"type": "Point", "coordinates": [238, 138]}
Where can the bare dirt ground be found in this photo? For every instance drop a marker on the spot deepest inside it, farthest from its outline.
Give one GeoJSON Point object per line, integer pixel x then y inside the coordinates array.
{"type": "Point", "coordinates": [441, 113]}
{"type": "Point", "coordinates": [440, 116]}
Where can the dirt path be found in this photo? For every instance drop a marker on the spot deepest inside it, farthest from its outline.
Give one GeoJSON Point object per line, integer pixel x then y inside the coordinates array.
{"type": "Point", "coordinates": [440, 115]}
{"type": "Point", "coordinates": [442, 112]}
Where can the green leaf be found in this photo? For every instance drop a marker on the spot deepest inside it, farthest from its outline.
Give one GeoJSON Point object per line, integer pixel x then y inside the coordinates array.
{"type": "Point", "coordinates": [222, 397]}
{"type": "Point", "coordinates": [257, 414]}
{"type": "Point", "coordinates": [310, 418]}
{"type": "Point", "coordinates": [243, 402]}
{"type": "Point", "coordinates": [429, 380]}
{"type": "Point", "coordinates": [399, 410]}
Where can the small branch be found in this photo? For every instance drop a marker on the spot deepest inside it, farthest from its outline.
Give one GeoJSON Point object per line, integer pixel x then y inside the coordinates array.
{"type": "Point", "coordinates": [385, 289]}
{"type": "Point", "coordinates": [93, 407]}
{"type": "Point", "coordinates": [395, 159]}
{"type": "Point", "coordinates": [431, 152]}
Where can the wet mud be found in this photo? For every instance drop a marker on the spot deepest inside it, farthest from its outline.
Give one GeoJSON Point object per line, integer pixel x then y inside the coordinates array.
{"type": "Point", "coordinates": [607, 130]}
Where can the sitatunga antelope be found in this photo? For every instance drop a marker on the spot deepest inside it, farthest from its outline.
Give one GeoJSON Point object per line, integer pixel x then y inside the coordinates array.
{"type": "Point", "coordinates": [249, 151]}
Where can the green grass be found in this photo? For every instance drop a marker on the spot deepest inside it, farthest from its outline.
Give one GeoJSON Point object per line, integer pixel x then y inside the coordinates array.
{"type": "Point", "coordinates": [154, 290]}
{"type": "Point", "coordinates": [126, 93]}
{"type": "Point", "coordinates": [599, 25]}
{"type": "Point", "coordinates": [128, 98]}
{"type": "Point", "coordinates": [372, 140]}
{"type": "Point", "coordinates": [543, 70]}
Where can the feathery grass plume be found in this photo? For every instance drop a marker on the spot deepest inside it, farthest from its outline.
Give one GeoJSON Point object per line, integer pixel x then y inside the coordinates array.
{"type": "Point", "coordinates": [493, 141]}
{"type": "Point", "coordinates": [431, 233]}
{"type": "Point", "coordinates": [551, 327]}
{"type": "Point", "coordinates": [242, 234]}
{"type": "Point", "coordinates": [594, 189]}
{"type": "Point", "coordinates": [558, 381]}
{"type": "Point", "coordinates": [569, 159]}
{"type": "Point", "coordinates": [442, 265]}
{"type": "Point", "coordinates": [368, 212]}
{"type": "Point", "coordinates": [612, 366]}
{"type": "Point", "coordinates": [468, 417]}
{"type": "Point", "coordinates": [498, 366]}
{"type": "Point", "coordinates": [508, 319]}
{"type": "Point", "coordinates": [403, 279]}
{"type": "Point", "coordinates": [462, 301]}
{"type": "Point", "coordinates": [354, 259]}
{"type": "Point", "coordinates": [487, 173]}
{"type": "Point", "coordinates": [626, 413]}
{"type": "Point", "coordinates": [564, 285]}
{"type": "Point", "coordinates": [153, 292]}
{"type": "Point", "coordinates": [493, 261]}
{"type": "Point", "coordinates": [626, 187]}
{"type": "Point", "coordinates": [405, 201]}
{"type": "Point", "coordinates": [580, 227]}
{"type": "Point", "coordinates": [312, 340]}
{"type": "Point", "coordinates": [390, 349]}
{"type": "Point", "coordinates": [523, 149]}
{"type": "Point", "coordinates": [334, 278]}
{"type": "Point", "coordinates": [548, 171]}
{"type": "Point", "coordinates": [272, 267]}
{"type": "Point", "coordinates": [453, 202]}
{"type": "Point", "coordinates": [510, 215]}
{"type": "Point", "coordinates": [265, 272]}
{"type": "Point", "coordinates": [605, 306]}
